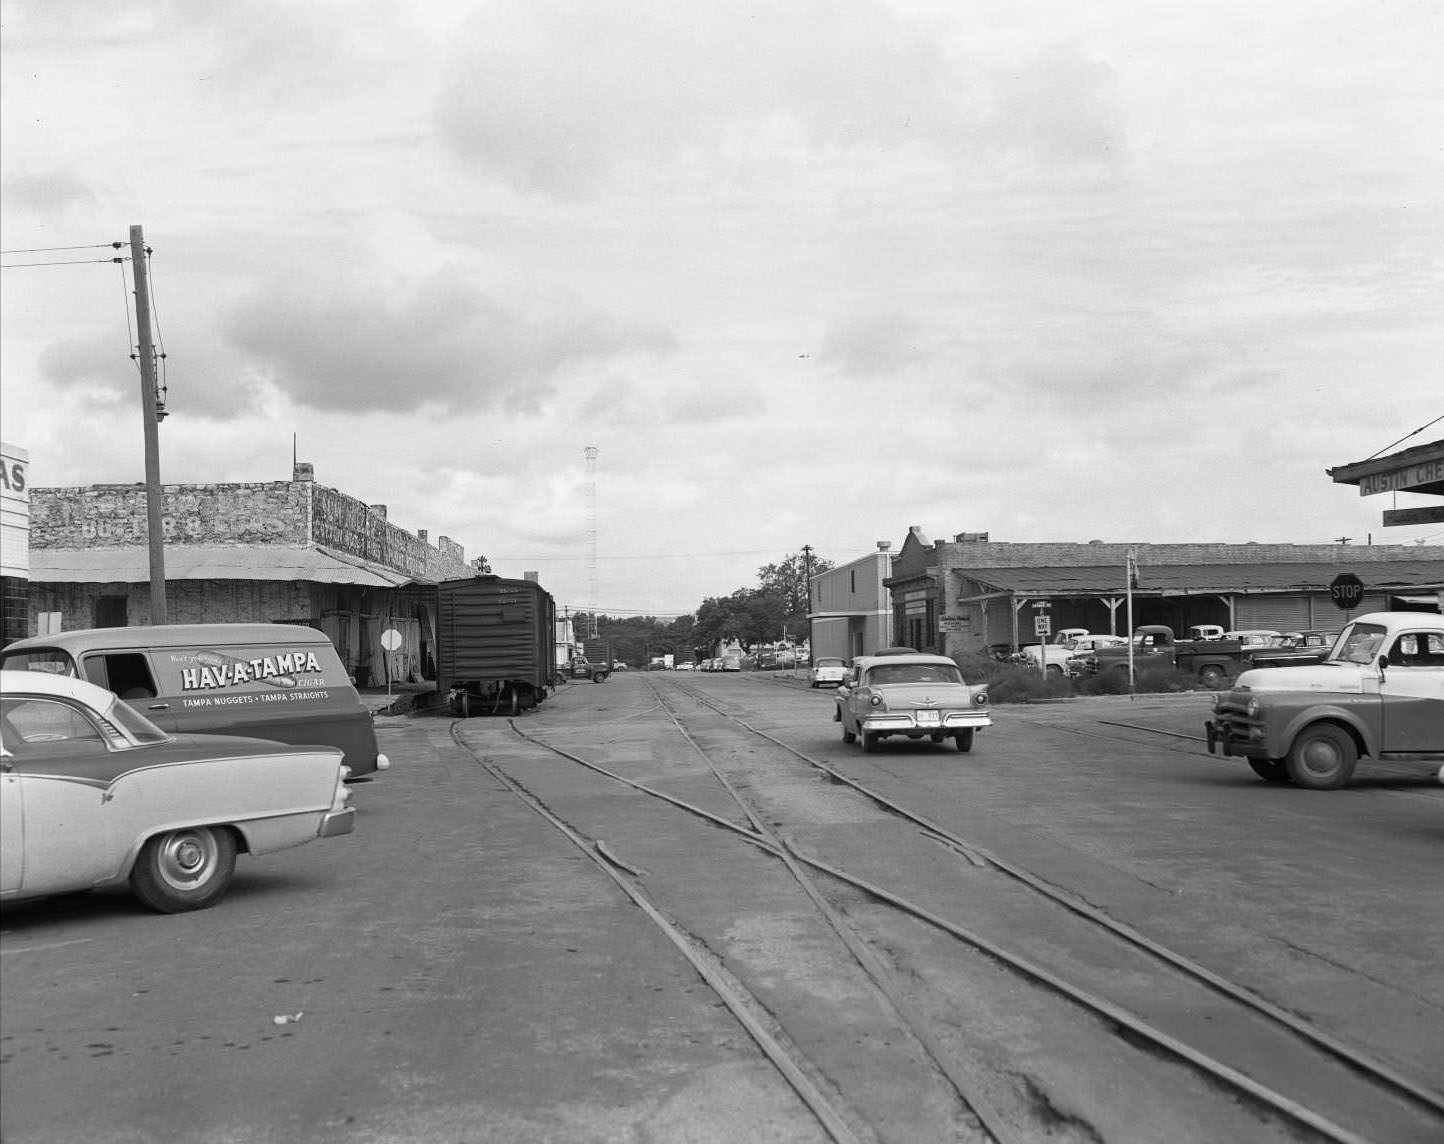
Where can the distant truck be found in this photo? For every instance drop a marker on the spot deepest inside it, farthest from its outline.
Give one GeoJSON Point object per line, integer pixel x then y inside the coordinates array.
{"type": "Point", "coordinates": [1213, 662]}
{"type": "Point", "coordinates": [1054, 654]}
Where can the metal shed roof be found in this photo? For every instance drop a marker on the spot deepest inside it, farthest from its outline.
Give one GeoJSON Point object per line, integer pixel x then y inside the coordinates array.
{"type": "Point", "coordinates": [130, 564]}
{"type": "Point", "coordinates": [1207, 579]}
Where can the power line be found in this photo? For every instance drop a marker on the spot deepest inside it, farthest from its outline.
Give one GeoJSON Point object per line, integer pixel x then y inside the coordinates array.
{"type": "Point", "coordinates": [55, 249]}
{"type": "Point", "coordinates": [63, 262]}
{"type": "Point", "coordinates": [1405, 437]}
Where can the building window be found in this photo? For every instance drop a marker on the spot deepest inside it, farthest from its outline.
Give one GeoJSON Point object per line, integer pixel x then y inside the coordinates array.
{"type": "Point", "coordinates": [110, 612]}
{"type": "Point", "coordinates": [852, 580]}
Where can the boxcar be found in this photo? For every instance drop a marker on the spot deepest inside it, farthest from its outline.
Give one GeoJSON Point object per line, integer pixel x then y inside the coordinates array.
{"type": "Point", "coordinates": [496, 651]}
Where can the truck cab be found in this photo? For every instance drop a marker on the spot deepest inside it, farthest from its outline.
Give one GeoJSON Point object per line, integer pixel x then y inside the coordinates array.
{"type": "Point", "coordinates": [1379, 693]}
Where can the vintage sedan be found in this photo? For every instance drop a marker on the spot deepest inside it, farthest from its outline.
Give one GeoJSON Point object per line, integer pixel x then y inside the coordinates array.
{"type": "Point", "coordinates": [915, 695]}
{"type": "Point", "coordinates": [94, 794]}
{"type": "Point", "coordinates": [827, 671]}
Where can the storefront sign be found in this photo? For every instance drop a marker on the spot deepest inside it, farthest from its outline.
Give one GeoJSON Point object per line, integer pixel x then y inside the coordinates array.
{"type": "Point", "coordinates": [1407, 477]}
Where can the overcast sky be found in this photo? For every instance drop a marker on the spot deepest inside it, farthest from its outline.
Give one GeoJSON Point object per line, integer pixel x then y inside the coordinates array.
{"type": "Point", "coordinates": [803, 271]}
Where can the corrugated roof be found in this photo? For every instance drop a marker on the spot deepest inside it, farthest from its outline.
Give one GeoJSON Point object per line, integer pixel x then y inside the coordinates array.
{"type": "Point", "coordinates": [131, 565]}
{"type": "Point", "coordinates": [1202, 579]}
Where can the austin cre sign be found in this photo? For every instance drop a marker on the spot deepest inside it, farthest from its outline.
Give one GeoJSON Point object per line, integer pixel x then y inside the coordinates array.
{"type": "Point", "coordinates": [1405, 477]}
{"type": "Point", "coordinates": [1346, 590]}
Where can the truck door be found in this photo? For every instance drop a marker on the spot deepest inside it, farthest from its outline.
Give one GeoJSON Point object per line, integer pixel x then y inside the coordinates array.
{"type": "Point", "coordinates": [1413, 694]}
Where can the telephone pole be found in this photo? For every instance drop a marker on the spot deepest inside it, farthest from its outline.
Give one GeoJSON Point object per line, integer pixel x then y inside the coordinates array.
{"type": "Point", "coordinates": [807, 595]}
{"type": "Point", "coordinates": [149, 418]}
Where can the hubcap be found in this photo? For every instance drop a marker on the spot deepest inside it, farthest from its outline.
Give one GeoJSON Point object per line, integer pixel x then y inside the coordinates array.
{"type": "Point", "coordinates": [1321, 757]}
{"type": "Point", "coordinates": [186, 860]}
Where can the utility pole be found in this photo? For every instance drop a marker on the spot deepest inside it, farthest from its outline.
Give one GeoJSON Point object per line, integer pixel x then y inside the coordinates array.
{"type": "Point", "coordinates": [151, 422]}
{"type": "Point", "coordinates": [807, 595]}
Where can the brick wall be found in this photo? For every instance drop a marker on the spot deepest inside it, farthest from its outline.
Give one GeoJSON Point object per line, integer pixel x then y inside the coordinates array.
{"type": "Point", "coordinates": [285, 513]}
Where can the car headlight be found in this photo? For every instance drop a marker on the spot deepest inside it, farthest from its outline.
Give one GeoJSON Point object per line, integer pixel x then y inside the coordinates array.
{"type": "Point", "coordinates": [980, 699]}
{"type": "Point", "coordinates": [1252, 707]}
{"type": "Point", "coordinates": [876, 700]}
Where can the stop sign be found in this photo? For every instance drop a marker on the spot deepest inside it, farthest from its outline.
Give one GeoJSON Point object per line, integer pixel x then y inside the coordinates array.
{"type": "Point", "coordinates": [1346, 590]}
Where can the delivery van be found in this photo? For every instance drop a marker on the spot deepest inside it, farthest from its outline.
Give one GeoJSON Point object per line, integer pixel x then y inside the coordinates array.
{"type": "Point", "coordinates": [268, 681]}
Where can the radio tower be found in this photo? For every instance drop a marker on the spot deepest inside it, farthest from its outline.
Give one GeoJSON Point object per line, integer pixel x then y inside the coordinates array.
{"type": "Point", "coordinates": [591, 455]}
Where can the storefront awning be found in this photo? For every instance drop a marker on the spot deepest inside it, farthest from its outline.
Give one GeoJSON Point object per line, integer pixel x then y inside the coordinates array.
{"type": "Point", "coordinates": [131, 565]}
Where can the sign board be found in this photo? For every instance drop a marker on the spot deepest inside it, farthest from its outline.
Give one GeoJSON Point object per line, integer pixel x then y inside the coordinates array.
{"type": "Point", "coordinates": [1408, 477]}
{"type": "Point", "coordinates": [1431, 515]}
{"type": "Point", "coordinates": [1042, 625]}
{"type": "Point", "coordinates": [954, 624]}
{"type": "Point", "coordinates": [391, 639]}
{"type": "Point", "coordinates": [1346, 590]}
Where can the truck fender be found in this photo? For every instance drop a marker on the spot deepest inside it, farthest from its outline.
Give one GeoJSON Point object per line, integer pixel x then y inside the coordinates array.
{"type": "Point", "coordinates": [1330, 713]}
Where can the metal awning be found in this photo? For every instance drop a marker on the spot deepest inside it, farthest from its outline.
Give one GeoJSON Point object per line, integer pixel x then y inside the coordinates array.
{"type": "Point", "coordinates": [130, 564]}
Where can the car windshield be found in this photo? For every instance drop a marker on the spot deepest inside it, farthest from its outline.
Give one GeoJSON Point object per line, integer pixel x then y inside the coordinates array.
{"type": "Point", "coordinates": [914, 673]}
{"type": "Point", "coordinates": [1358, 643]}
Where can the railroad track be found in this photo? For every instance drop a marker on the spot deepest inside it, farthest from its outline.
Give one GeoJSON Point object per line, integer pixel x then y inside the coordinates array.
{"type": "Point", "coordinates": [1410, 1104]}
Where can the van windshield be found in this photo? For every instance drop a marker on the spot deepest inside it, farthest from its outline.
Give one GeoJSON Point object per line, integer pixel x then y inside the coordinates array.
{"type": "Point", "coordinates": [48, 659]}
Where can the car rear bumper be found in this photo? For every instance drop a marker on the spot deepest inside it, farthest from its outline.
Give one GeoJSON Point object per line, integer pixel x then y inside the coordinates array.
{"type": "Point", "coordinates": [905, 724]}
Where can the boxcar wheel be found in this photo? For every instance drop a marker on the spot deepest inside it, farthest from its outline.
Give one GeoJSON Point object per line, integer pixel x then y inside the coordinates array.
{"type": "Point", "coordinates": [1273, 770]}
{"type": "Point", "coordinates": [1322, 757]}
{"type": "Point", "coordinates": [185, 869]}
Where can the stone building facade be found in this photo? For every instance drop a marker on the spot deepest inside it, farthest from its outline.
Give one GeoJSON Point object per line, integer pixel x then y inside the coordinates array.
{"type": "Point", "coordinates": [272, 551]}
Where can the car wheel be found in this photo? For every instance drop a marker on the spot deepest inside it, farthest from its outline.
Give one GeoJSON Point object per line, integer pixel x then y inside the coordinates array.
{"type": "Point", "coordinates": [185, 869]}
{"type": "Point", "coordinates": [813, 686]}
{"type": "Point", "coordinates": [848, 736]}
{"type": "Point", "coordinates": [1055, 671]}
{"type": "Point", "coordinates": [1273, 770]}
{"type": "Point", "coordinates": [964, 739]}
{"type": "Point", "coordinates": [1322, 757]}
{"type": "Point", "coordinates": [1212, 677]}
{"type": "Point", "coordinates": [869, 742]}
{"type": "Point", "coordinates": [936, 736]}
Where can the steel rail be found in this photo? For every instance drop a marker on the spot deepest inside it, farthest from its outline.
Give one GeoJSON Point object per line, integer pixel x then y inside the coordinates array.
{"type": "Point", "coordinates": [1336, 1047]}
{"type": "Point", "coordinates": [964, 1085]}
{"type": "Point", "coordinates": [1266, 1096]}
{"type": "Point", "coordinates": [831, 1120]}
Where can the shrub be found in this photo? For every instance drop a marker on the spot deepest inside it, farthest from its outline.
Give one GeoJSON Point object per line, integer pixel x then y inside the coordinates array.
{"type": "Point", "coordinates": [1011, 682]}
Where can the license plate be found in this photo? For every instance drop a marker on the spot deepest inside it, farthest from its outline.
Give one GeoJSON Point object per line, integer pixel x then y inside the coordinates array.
{"type": "Point", "coordinates": [928, 718]}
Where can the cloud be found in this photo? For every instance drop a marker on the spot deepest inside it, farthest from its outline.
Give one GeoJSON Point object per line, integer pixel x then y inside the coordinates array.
{"type": "Point", "coordinates": [97, 366]}
{"type": "Point", "coordinates": [551, 96]}
{"type": "Point", "coordinates": [444, 344]}
{"type": "Point", "coordinates": [870, 345]}
{"type": "Point", "coordinates": [1062, 108]}
{"type": "Point", "coordinates": [47, 193]}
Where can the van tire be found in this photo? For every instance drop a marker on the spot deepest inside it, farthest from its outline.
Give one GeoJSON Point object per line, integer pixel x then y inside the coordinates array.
{"type": "Point", "coordinates": [1322, 757]}
{"type": "Point", "coordinates": [186, 869]}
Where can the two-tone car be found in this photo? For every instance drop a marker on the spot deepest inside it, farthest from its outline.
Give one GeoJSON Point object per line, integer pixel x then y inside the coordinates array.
{"type": "Point", "coordinates": [1379, 693]}
{"type": "Point", "coordinates": [915, 696]}
{"type": "Point", "coordinates": [826, 671]}
{"type": "Point", "coordinates": [94, 794]}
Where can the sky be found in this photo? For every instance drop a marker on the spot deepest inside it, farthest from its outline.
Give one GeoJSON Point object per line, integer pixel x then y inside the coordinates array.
{"type": "Point", "coordinates": [802, 272]}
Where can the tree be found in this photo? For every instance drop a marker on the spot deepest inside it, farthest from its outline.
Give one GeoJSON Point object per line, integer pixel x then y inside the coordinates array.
{"type": "Point", "coordinates": [787, 580]}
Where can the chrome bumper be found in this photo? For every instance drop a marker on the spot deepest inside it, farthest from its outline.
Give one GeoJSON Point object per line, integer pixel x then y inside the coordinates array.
{"type": "Point", "coordinates": [337, 822]}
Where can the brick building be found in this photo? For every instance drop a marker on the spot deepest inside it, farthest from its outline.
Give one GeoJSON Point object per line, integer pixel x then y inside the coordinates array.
{"type": "Point", "coordinates": [971, 594]}
{"type": "Point", "coordinates": [274, 552]}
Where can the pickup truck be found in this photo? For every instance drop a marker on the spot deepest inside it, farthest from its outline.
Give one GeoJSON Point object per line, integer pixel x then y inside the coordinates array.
{"type": "Point", "coordinates": [1212, 662]}
{"type": "Point", "coordinates": [1379, 693]}
{"type": "Point", "coordinates": [1055, 652]}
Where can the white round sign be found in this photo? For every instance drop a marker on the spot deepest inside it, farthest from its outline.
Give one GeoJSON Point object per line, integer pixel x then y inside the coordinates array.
{"type": "Point", "coordinates": [391, 639]}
